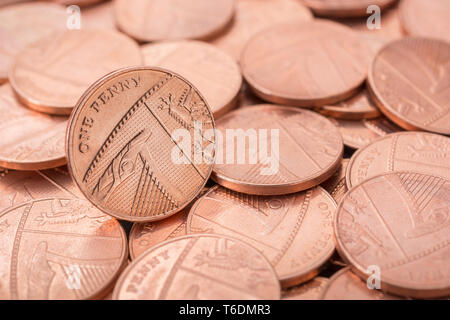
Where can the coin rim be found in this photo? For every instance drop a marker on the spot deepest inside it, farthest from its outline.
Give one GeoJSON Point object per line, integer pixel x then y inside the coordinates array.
{"type": "Point", "coordinates": [358, 12]}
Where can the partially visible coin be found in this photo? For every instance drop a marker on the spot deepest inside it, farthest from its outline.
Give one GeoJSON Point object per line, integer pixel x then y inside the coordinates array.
{"type": "Point", "coordinates": [345, 8]}
{"type": "Point", "coordinates": [152, 20]}
{"type": "Point", "coordinates": [336, 185]}
{"type": "Point", "coordinates": [215, 74]}
{"type": "Point", "coordinates": [100, 16]}
{"type": "Point", "coordinates": [415, 151]}
{"type": "Point", "coordinates": [409, 80]}
{"type": "Point", "coordinates": [198, 267]}
{"type": "Point", "coordinates": [311, 290]}
{"type": "Point", "coordinates": [81, 3]}
{"type": "Point", "coordinates": [30, 140]}
{"type": "Point", "coordinates": [305, 64]}
{"type": "Point", "coordinates": [398, 223]}
{"type": "Point", "coordinates": [59, 248]}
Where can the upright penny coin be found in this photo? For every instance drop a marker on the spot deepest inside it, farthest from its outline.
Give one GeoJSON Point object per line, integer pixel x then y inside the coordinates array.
{"type": "Point", "coordinates": [51, 74]}
{"type": "Point", "coordinates": [409, 83]}
{"type": "Point", "coordinates": [426, 18]}
{"type": "Point", "coordinates": [46, 242]}
{"type": "Point", "coordinates": [399, 222]}
{"type": "Point", "coordinates": [140, 143]}
{"type": "Point", "coordinates": [198, 267]}
{"type": "Point", "coordinates": [253, 16]}
{"type": "Point", "coordinates": [305, 64]}
{"type": "Point", "coordinates": [30, 140]}
{"type": "Point", "coordinates": [23, 24]}
{"type": "Point", "coordinates": [294, 232]}
{"type": "Point", "coordinates": [336, 185]}
{"type": "Point", "coordinates": [413, 151]}
{"type": "Point", "coordinates": [215, 74]}
{"type": "Point", "coordinates": [312, 290]}
{"type": "Point", "coordinates": [261, 148]}
{"type": "Point", "coordinates": [153, 20]}
{"type": "Point", "coordinates": [344, 8]}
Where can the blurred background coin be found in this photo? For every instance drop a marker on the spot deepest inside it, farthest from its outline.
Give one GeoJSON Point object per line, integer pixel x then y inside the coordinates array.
{"type": "Point", "coordinates": [345, 8]}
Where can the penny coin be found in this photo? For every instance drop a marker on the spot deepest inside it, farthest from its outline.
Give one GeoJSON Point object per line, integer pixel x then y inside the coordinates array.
{"type": "Point", "coordinates": [215, 74]}
{"type": "Point", "coordinates": [345, 285]}
{"type": "Point", "coordinates": [100, 16]}
{"type": "Point", "coordinates": [355, 108]}
{"type": "Point", "coordinates": [294, 232]}
{"type": "Point", "coordinates": [260, 148]}
{"type": "Point", "coordinates": [30, 140]}
{"type": "Point", "coordinates": [426, 18]}
{"type": "Point", "coordinates": [81, 3]}
{"type": "Point", "coordinates": [409, 83]}
{"type": "Point", "coordinates": [413, 151]}
{"type": "Point", "coordinates": [253, 16]}
{"type": "Point", "coordinates": [312, 290]}
{"type": "Point", "coordinates": [306, 64]}
{"type": "Point", "coordinates": [247, 97]}
{"type": "Point", "coordinates": [23, 24]}
{"type": "Point", "coordinates": [152, 20]}
{"type": "Point", "coordinates": [129, 143]}
{"type": "Point", "coordinates": [400, 223]}
{"type": "Point", "coordinates": [59, 248]}
{"type": "Point", "coordinates": [51, 74]}
{"type": "Point", "coordinates": [345, 8]}
{"type": "Point", "coordinates": [336, 185]}
{"type": "Point", "coordinates": [199, 267]}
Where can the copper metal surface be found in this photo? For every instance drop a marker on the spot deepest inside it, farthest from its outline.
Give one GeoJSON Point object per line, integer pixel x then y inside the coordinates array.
{"type": "Point", "coordinates": [312, 290]}
{"type": "Point", "coordinates": [336, 185]}
{"type": "Point", "coordinates": [100, 16]}
{"type": "Point", "coordinates": [344, 8]}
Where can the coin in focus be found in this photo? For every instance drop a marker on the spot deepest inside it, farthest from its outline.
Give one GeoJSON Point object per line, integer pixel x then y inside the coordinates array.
{"type": "Point", "coordinates": [198, 267]}
{"type": "Point", "coordinates": [59, 248]}
{"type": "Point", "coordinates": [294, 232]}
{"type": "Point", "coordinates": [51, 74]}
{"type": "Point", "coordinates": [413, 151]}
{"type": "Point", "coordinates": [215, 74]}
{"type": "Point", "coordinates": [312, 290]}
{"type": "Point", "coordinates": [400, 223]}
{"type": "Point", "coordinates": [305, 64]}
{"type": "Point", "coordinates": [140, 143]}
{"type": "Point", "coordinates": [336, 185]}
{"type": "Point", "coordinates": [345, 8]}
{"type": "Point", "coordinates": [30, 140]}
{"type": "Point", "coordinates": [408, 80]}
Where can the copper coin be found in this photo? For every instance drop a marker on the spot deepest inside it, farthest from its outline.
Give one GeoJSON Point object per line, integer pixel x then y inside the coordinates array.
{"type": "Point", "coordinates": [253, 16]}
{"type": "Point", "coordinates": [294, 232]}
{"type": "Point", "coordinates": [305, 64]}
{"type": "Point", "coordinates": [30, 140]}
{"type": "Point", "coordinates": [413, 151]}
{"type": "Point", "coordinates": [312, 290]}
{"type": "Point", "coordinates": [247, 97]}
{"type": "Point", "coordinates": [355, 108]}
{"type": "Point", "coordinates": [198, 267]}
{"type": "Point", "coordinates": [261, 147]}
{"type": "Point", "coordinates": [100, 16]}
{"type": "Point", "coordinates": [344, 8]}
{"type": "Point", "coordinates": [336, 185]}
{"type": "Point", "coordinates": [23, 24]}
{"type": "Point", "coordinates": [215, 74]}
{"type": "Point", "coordinates": [123, 149]}
{"type": "Point", "coordinates": [345, 285]}
{"type": "Point", "coordinates": [399, 223]}
{"type": "Point", "coordinates": [59, 248]}
{"type": "Point", "coordinates": [51, 74]}
{"type": "Point", "coordinates": [152, 20]}
{"type": "Point", "coordinates": [81, 3]}
{"type": "Point", "coordinates": [409, 83]}
{"type": "Point", "coordinates": [426, 18]}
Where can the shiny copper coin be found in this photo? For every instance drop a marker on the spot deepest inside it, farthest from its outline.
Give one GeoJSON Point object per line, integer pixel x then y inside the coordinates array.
{"type": "Point", "coordinates": [30, 140]}
{"type": "Point", "coordinates": [305, 64]}
{"type": "Point", "coordinates": [345, 285]}
{"type": "Point", "coordinates": [344, 8]}
{"type": "Point", "coordinates": [426, 18]}
{"type": "Point", "coordinates": [400, 223]}
{"type": "Point", "coordinates": [414, 151]}
{"type": "Point", "coordinates": [100, 16]}
{"type": "Point", "coordinates": [51, 74]}
{"type": "Point", "coordinates": [294, 232]}
{"type": "Point", "coordinates": [123, 147]}
{"type": "Point", "coordinates": [215, 74]}
{"type": "Point", "coordinates": [409, 83]}
{"type": "Point", "coordinates": [270, 150]}
{"type": "Point", "coordinates": [336, 185]}
{"type": "Point", "coordinates": [355, 108]}
{"type": "Point", "coordinates": [152, 20]}
{"type": "Point", "coordinates": [312, 290]}
{"type": "Point", "coordinates": [59, 248]}
{"type": "Point", "coordinates": [253, 16]}
{"type": "Point", "coordinates": [23, 24]}
{"type": "Point", "coordinates": [198, 267]}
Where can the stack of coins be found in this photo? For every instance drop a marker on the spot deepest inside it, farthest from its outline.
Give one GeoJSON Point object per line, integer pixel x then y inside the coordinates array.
{"type": "Point", "coordinates": [227, 149]}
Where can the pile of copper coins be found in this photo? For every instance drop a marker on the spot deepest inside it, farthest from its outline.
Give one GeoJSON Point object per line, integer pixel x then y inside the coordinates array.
{"type": "Point", "coordinates": [225, 149]}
